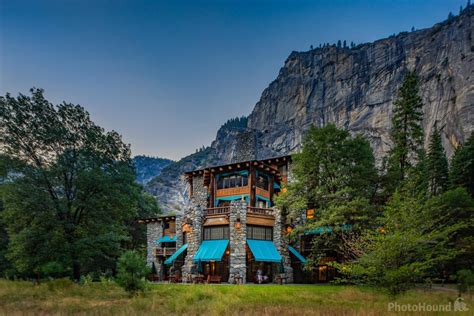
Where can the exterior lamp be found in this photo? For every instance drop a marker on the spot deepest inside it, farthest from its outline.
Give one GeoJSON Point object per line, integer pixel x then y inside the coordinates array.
{"type": "Point", "coordinates": [237, 223]}
{"type": "Point", "coordinates": [187, 227]}
{"type": "Point", "coordinates": [310, 214]}
{"type": "Point", "coordinates": [289, 229]}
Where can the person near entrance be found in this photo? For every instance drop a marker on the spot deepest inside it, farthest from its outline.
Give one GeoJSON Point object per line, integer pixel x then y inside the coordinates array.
{"type": "Point", "coordinates": [260, 276]}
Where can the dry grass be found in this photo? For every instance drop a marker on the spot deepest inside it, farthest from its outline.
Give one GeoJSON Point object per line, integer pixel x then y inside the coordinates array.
{"type": "Point", "coordinates": [62, 297]}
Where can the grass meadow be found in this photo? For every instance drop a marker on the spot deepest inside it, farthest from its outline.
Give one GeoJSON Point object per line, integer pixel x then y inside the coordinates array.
{"type": "Point", "coordinates": [63, 297]}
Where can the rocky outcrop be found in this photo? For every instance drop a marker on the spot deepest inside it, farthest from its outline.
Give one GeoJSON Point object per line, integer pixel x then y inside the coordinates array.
{"type": "Point", "coordinates": [148, 168]}
{"type": "Point", "coordinates": [353, 88]}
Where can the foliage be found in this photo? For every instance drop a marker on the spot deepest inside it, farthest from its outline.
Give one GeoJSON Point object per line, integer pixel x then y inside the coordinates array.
{"type": "Point", "coordinates": [334, 174]}
{"type": "Point", "coordinates": [406, 132]}
{"type": "Point", "coordinates": [462, 166]}
{"type": "Point", "coordinates": [416, 243]}
{"type": "Point", "coordinates": [465, 280]}
{"type": "Point", "coordinates": [70, 188]}
{"type": "Point", "coordinates": [237, 122]}
{"type": "Point", "coordinates": [331, 166]}
{"type": "Point", "coordinates": [436, 165]}
{"type": "Point", "coordinates": [132, 272]}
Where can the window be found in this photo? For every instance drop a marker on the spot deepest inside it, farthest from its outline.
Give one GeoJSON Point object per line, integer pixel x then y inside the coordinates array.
{"type": "Point", "coordinates": [232, 181]}
{"type": "Point", "coordinates": [259, 232]}
{"type": "Point", "coordinates": [262, 181]}
{"type": "Point", "coordinates": [216, 232]}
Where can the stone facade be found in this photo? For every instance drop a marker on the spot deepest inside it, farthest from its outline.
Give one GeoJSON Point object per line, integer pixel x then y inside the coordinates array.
{"type": "Point", "coordinates": [280, 242]}
{"type": "Point", "coordinates": [245, 147]}
{"type": "Point", "coordinates": [238, 237]}
{"type": "Point", "coordinates": [154, 231]}
{"type": "Point", "coordinates": [194, 215]}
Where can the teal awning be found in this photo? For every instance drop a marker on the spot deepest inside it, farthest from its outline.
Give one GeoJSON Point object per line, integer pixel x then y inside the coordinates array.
{"type": "Point", "coordinates": [325, 230]}
{"type": "Point", "coordinates": [166, 239]}
{"type": "Point", "coordinates": [262, 198]}
{"type": "Point", "coordinates": [173, 257]}
{"type": "Point", "coordinates": [276, 186]}
{"type": "Point", "coordinates": [264, 250]}
{"type": "Point", "coordinates": [232, 197]}
{"type": "Point", "coordinates": [297, 254]}
{"type": "Point", "coordinates": [211, 250]}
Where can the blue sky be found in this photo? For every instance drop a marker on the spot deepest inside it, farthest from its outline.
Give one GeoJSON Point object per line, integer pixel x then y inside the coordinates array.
{"type": "Point", "coordinates": [167, 74]}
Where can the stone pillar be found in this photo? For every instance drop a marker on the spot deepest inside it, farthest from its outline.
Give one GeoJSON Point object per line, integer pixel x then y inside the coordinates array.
{"type": "Point", "coordinates": [281, 244]}
{"type": "Point", "coordinates": [179, 231]}
{"type": "Point", "coordinates": [193, 239]}
{"type": "Point", "coordinates": [237, 241]}
{"type": "Point", "coordinates": [154, 231]}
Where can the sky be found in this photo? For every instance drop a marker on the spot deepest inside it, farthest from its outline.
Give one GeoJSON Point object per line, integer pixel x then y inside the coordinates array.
{"type": "Point", "coordinates": [167, 74]}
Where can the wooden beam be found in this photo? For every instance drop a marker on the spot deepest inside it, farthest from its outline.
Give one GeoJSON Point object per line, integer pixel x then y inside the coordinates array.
{"type": "Point", "coordinates": [252, 186]}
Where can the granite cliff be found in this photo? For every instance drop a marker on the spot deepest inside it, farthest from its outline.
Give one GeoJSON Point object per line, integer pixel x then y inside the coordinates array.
{"type": "Point", "coordinates": [353, 88]}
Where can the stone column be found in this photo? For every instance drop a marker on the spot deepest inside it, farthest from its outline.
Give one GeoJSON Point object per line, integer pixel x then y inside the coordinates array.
{"type": "Point", "coordinates": [237, 241]}
{"type": "Point", "coordinates": [281, 244]}
{"type": "Point", "coordinates": [179, 231]}
{"type": "Point", "coordinates": [154, 231]}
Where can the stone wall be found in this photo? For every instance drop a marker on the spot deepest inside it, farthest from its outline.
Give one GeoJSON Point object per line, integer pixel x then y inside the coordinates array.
{"type": "Point", "coordinates": [238, 238]}
{"type": "Point", "coordinates": [281, 244]}
{"type": "Point", "coordinates": [154, 231]}
{"type": "Point", "coordinates": [194, 215]}
{"type": "Point", "coordinates": [245, 147]}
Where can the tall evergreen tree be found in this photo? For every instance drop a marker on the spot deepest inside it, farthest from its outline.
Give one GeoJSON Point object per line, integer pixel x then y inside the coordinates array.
{"type": "Point", "coordinates": [436, 165]}
{"type": "Point", "coordinates": [461, 173]}
{"type": "Point", "coordinates": [406, 132]}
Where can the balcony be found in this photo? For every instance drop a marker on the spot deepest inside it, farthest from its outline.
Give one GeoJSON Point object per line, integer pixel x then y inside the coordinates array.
{"type": "Point", "coordinates": [260, 211]}
{"type": "Point", "coordinates": [223, 210]}
{"type": "Point", "coordinates": [165, 251]}
{"type": "Point", "coordinates": [233, 191]}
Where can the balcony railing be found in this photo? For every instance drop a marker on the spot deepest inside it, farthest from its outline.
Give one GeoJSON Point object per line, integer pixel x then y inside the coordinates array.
{"type": "Point", "coordinates": [260, 211]}
{"type": "Point", "coordinates": [223, 210]}
{"type": "Point", "coordinates": [233, 191]}
{"type": "Point", "coordinates": [165, 251]}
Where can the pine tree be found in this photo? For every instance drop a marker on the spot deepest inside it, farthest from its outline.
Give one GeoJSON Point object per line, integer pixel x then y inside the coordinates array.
{"type": "Point", "coordinates": [461, 173]}
{"type": "Point", "coordinates": [406, 132]}
{"type": "Point", "coordinates": [436, 165]}
{"type": "Point", "coordinates": [344, 44]}
{"type": "Point", "coordinates": [339, 43]}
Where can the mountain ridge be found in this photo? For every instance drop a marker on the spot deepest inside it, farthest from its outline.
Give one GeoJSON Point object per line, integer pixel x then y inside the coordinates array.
{"type": "Point", "coordinates": [353, 88]}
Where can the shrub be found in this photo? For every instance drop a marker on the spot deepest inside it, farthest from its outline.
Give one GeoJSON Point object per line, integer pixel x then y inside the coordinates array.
{"type": "Point", "coordinates": [465, 280]}
{"type": "Point", "coordinates": [132, 272]}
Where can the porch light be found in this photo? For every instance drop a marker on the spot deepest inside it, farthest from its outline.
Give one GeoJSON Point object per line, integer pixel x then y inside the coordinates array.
{"type": "Point", "coordinates": [310, 214]}
{"type": "Point", "coordinates": [237, 223]}
{"type": "Point", "coordinates": [289, 229]}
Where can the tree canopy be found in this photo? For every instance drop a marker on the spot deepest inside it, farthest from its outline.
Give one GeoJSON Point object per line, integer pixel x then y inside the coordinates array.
{"type": "Point", "coordinates": [69, 189]}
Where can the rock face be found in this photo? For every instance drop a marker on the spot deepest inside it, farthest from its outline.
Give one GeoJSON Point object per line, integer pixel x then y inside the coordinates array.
{"type": "Point", "coordinates": [148, 168]}
{"type": "Point", "coordinates": [354, 89]}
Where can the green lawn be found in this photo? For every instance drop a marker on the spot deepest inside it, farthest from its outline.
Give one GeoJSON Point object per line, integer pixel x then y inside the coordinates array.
{"type": "Point", "coordinates": [62, 297]}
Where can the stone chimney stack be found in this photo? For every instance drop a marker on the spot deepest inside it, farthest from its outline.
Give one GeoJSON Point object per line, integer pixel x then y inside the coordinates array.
{"type": "Point", "coordinates": [245, 147]}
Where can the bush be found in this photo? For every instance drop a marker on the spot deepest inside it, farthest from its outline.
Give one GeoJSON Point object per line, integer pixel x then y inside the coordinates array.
{"type": "Point", "coordinates": [465, 280]}
{"type": "Point", "coordinates": [132, 272]}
